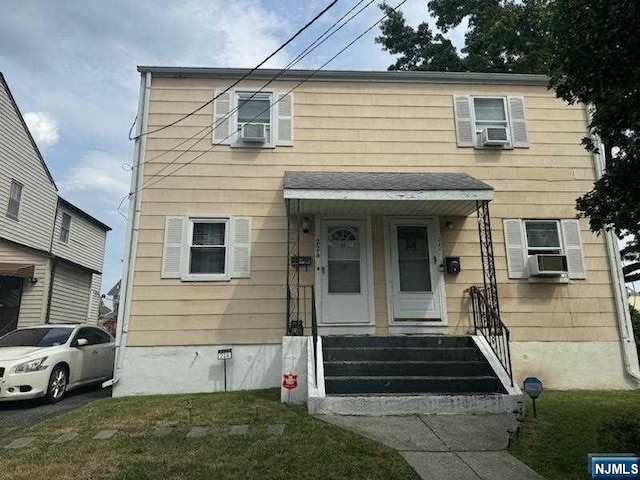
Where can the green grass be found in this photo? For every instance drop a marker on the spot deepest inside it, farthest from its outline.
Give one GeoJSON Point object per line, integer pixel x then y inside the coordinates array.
{"type": "Point", "coordinates": [568, 428]}
{"type": "Point", "coordinates": [309, 448]}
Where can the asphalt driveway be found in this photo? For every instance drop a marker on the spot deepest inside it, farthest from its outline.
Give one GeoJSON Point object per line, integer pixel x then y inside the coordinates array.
{"type": "Point", "coordinates": [29, 412]}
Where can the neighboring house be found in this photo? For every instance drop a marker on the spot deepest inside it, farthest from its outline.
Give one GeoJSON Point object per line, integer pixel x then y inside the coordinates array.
{"type": "Point", "coordinates": [51, 252]}
{"type": "Point", "coordinates": [108, 318]}
{"type": "Point", "coordinates": [407, 204]}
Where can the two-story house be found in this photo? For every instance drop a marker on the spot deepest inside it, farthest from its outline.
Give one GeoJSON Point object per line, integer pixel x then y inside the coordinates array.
{"type": "Point", "coordinates": [51, 252]}
{"type": "Point", "coordinates": [375, 234]}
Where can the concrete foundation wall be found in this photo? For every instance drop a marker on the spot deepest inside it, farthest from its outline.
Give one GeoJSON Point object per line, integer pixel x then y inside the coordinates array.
{"type": "Point", "coordinates": [570, 365]}
{"type": "Point", "coordinates": [196, 369]}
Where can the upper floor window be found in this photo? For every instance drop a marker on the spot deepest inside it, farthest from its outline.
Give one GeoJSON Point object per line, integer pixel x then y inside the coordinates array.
{"type": "Point", "coordinates": [15, 197]}
{"type": "Point", "coordinates": [65, 228]}
{"type": "Point", "coordinates": [252, 119]}
{"type": "Point", "coordinates": [490, 122]}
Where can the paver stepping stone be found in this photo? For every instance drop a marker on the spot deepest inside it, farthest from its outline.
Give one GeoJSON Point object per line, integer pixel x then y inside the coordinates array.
{"type": "Point", "coordinates": [277, 429]}
{"type": "Point", "coordinates": [162, 431]}
{"type": "Point", "coordinates": [66, 437]}
{"type": "Point", "coordinates": [105, 434]}
{"type": "Point", "coordinates": [239, 430]}
{"type": "Point", "coordinates": [197, 432]}
{"type": "Point", "coordinates": [137, 434]}
{"type": "Point", "coordinates": [21, 442]}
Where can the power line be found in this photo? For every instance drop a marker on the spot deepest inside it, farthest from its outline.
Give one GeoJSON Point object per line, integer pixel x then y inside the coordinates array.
{"type": "Point", "coordinates": [275, 52]}
{"type": "Point", "coordinates": [314, 45]}
{"type": "Point", "coordinates": [312, 74]}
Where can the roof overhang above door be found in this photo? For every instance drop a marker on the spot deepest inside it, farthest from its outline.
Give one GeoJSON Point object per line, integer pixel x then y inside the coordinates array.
{"type": "Point", "coordinates": [347, 193]}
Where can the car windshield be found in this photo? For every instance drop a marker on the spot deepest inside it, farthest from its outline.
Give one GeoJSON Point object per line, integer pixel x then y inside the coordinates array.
{"type": "Point", "coordinates": [36, 337]}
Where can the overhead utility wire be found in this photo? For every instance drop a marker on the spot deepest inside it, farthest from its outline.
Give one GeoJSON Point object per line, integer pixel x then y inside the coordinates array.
{"type": "Point", "coordinates": [313, 73]}
{"type": "Point", "coordinates": [298, 57]}
{"type": "Point", "coordinates": [276, 51]}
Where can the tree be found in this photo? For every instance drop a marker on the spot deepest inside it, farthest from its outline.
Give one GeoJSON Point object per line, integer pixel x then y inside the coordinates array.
{"type": "Point", "coordinates": [503, 36]}
{"type": "Point", "coordinates": [595, 60]}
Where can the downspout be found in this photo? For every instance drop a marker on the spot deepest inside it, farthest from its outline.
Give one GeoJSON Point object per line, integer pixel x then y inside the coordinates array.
{"type": "Point", "coordinates": [627, 341]}
{"type": "Point", "coordinates": [133, 228]}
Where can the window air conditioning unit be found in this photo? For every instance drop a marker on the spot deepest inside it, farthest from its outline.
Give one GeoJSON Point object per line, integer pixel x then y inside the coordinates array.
{"type": "Point", "coordinates": [254, 133]}
{"type": "Point", "coordinates": [495, 136]}
{"type": "Point", "coordinates": [548, 265]}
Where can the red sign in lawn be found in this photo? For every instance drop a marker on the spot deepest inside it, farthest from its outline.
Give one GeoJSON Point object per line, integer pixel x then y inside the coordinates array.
{"type": "Point", "coordinates": [290, 380]}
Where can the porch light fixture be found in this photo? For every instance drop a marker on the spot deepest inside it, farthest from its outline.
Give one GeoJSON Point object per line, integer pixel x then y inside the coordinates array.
{"type": "Point", "coordinates": [32, 280]}
{"type": "Point", "coordinates": [449, 225]}
{"type": "Point", "coordinates": [306, 224]}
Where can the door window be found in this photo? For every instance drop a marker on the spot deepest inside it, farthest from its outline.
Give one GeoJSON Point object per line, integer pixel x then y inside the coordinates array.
{"type": "Point", "coordinates": [413, 259]}
{"type": "Point", "coordinates": [343, 260]}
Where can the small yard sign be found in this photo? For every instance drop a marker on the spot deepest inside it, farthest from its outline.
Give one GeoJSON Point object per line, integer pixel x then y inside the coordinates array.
{"type": "Point", "coordinates": [224, 354]}
{"type": "Point", "coordinates": [532, 386]}
{"type": "Point", "coordinates": [290, 380]}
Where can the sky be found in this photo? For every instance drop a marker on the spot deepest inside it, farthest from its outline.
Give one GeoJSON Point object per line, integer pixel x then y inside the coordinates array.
{"type": "Point", "coordinates": [71, 66]}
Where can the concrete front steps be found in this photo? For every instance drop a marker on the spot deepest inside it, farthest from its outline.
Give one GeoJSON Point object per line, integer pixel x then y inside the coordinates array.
{"type": "Point", "coordinates": [401, 375]}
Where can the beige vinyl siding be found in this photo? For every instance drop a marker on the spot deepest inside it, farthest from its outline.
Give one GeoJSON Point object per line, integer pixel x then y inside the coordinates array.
{"type": "Point", "coordinates": [382, 127]}
{"type": "Point", "coordinates": [70, 294]}
{"type": "Point", "coordinates": [33, 305]}
{"type": "Point", "coordinates": [86, 241]}
{"type": "Point", "coordinates": [19, 161]}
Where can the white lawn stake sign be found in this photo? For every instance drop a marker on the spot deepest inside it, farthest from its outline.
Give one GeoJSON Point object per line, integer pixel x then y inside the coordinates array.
{"type": "Point", "coordinates": [225, 354]}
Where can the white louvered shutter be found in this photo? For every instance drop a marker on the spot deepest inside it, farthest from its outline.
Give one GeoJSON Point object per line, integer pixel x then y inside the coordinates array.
{"type": "Point", "coordinates": [465, 131]}
{"type": "Point", "coordinates": [515, 247]}
{"type": "Point", "coordinates": [573, 248]}
{"type": "Point", "coordinates": [222, 122]}
{"type": "Point", "coordinates": [519, 136]}
{"type": "Point", "coordinates": [174, 243]}
{"type": "Point", "coordinates": [241, 247]}
{"type": "Point", "coordinates": [284, 117]}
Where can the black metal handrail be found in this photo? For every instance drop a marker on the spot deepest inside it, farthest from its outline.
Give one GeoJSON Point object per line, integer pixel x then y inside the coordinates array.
{"type": "Point", "coordinates": [314, 333]}
{"type": "Point", "coordinates": [486, 321]}
{"type": "Point", "coordinates": [302, 316]}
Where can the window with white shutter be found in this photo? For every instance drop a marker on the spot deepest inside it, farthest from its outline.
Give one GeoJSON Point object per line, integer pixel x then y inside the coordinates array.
{"type": "Point", "coordinates": [207, 248]}
{"type": "Point", "coordinates": [549, 240]}
{"type": "Point", "coordinates": [285, 118]}
{"type": "Point", "coordinates": [490, 122]}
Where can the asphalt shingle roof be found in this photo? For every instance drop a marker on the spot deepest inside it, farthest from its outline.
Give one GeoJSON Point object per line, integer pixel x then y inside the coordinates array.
{"type": "Point", "coordinates": [382, 181]}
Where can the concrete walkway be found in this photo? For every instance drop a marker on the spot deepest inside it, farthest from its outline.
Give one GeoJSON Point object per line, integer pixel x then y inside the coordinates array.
{"type": "Point", "coordinates": [443, 447]}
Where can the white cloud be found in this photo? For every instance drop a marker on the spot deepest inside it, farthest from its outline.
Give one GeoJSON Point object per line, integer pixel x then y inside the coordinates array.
{"type": "Point", "coordinates": [97, 173]}
{"type": "Point", "coordinates": [43, 128]}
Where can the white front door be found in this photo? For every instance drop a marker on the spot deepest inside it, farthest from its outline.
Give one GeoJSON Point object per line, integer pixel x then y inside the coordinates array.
{"type": "Point", "coordinates": [415, 260]}
{"type": "Point", "coordinates": [344, 272]}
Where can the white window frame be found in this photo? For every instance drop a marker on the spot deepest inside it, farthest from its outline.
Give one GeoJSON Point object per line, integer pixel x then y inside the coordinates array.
{"type": "Point", "coordinates": [542, 249]}
{"type": "Point", "coordinates": [207, 277]}
{"type": "Point", "coordinates": [62, 229]}
{"type": "Point", "coordinates": [237, 126]}
{"type": "Point", "coordinates": [13, 185]}
{"type": "Point", "coordinates": [507, 120]}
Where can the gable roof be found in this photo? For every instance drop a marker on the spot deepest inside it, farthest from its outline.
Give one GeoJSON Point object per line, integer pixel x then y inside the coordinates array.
{"type": "Point", "coordinates": [83, 214]}
{"type": "Point", "coordinates": [26, 128]}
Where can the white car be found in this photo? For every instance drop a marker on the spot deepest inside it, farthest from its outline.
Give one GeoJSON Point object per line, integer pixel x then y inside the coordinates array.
{"type": "Point", "coordinates": [48, 360]}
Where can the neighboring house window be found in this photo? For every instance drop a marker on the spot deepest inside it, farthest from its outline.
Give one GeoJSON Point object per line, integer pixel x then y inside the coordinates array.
{"type": "Point", "coordinates": [15, 196]}
{"type": "Point", "coordinates": [65, 228]}
{"type": "Point", "coordinates": [533, 247]}
{"type": "Point", "coordinates": [252, 119]}
{"type": "Point", "coordinates": [208, 248]}
{"type": "Point", "coordinates": [490, 122]}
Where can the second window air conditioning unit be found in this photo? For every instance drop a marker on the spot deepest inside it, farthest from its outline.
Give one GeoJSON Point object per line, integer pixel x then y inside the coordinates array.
{"type": "Point", "coordinates": [253, 133]}
{"type": "Point", "coordinates": [548, 265]}
{"type": "Point", "coordinates": [495, 136]}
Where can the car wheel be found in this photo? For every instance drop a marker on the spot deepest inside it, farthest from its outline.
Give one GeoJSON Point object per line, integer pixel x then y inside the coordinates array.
{"type": "Point", "coordinates": [57, 384]}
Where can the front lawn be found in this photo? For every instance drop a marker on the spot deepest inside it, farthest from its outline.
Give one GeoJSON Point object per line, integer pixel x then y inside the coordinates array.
{"type": "Point", "coordinates": [570, 425]}
{"type": "Point", "coordinates": [308, 449]}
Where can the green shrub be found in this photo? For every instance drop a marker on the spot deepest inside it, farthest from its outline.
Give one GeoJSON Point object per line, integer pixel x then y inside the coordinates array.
{"type": "Point", "coordinates": [620, 434]}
